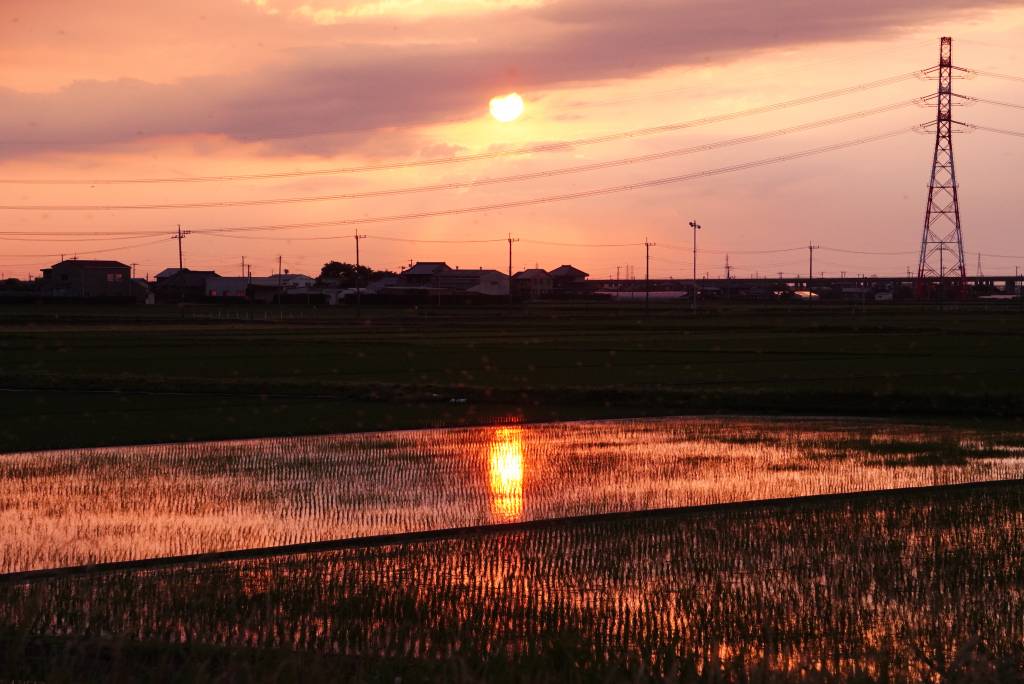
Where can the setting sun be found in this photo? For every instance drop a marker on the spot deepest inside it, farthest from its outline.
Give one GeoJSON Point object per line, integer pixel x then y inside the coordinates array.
{"type": "Point", "coordinates": [506, 108]}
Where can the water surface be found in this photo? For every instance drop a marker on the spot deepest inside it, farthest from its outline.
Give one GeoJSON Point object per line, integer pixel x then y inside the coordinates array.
{"type": "Point", "coordinates": [72, 507]}
{"type": "Point", "coordinates": [913, 588]}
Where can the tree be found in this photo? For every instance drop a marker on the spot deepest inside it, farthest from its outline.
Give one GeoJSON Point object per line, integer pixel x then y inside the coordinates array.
{"type": "Point", "coordinates": [349, 275]}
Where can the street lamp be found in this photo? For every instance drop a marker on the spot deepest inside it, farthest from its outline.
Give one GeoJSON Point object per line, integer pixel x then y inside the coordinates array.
{"type": "Point", "coordinates": [696, 227]}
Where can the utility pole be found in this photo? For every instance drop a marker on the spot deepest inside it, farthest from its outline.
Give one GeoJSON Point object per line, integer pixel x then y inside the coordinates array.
{"type": "Point", "coordinates": [359, 288]}
{"type": "Point", "coordinates": [243, 266]}
{"type": "Point", "coordinates": [280, 287]}
{"type": "Point", "coordinates": [179, 236]}
{"type": "Point", "coordinates": [133, 269]}
{"type": "Point", "coordinates": [510, 241]}
{"type": "Point", "coordinates": [696, 227]}
{"type": "Point", "coordinates": [647, 274]}
{"type": "Point", "coordinates": [810, 270]}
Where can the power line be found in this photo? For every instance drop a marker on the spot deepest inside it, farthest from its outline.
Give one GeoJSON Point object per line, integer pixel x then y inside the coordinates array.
{"type": "Point", "coordinates": [343, 237]}
{"type": "Point", "coordinates": [851, 251]}
{"type": "Point", "coordinates": [71, 237]}
{"type": "Point", "coordinates": [625, 161]}
{"type": "Point", "coordinates": [1003, 131]}
{"type": "Point", "coordinates": [525, 149]}
{"type": "Point", "coordinates": [993, 74]}
{"type": "Point", "coordinates": [737, 251]}
{"type": "Point", "coordinates": [581, 244]}
{"type": "Point", "coordinates": [985, 100]}
{"type": "Point", "coordinates": [654, 182]}
{"type": "Point", "coordinates": [94, 251]}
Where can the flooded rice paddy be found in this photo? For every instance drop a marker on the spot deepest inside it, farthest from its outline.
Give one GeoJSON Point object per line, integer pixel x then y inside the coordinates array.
{"type": "Point", "coordinates": [893, 588]}
{"type": "Point", "coordinates": [96, 505]}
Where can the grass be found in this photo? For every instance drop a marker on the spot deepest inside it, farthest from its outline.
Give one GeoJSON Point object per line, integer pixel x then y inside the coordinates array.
{"type": "Point", "coordinates": [107, 376]}
{"type": "Point", "coordinates": [899, 587]}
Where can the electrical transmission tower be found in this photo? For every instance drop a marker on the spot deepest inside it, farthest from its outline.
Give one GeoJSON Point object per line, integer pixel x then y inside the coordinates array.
{"type": "Point", "coordinates": [942, 245]}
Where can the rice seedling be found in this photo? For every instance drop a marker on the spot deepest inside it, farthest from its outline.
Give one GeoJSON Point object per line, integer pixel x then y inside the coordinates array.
{"type": "Point", "coordinates": [893, 587]}
{"type": "Point", "coordinates": [84, 506]}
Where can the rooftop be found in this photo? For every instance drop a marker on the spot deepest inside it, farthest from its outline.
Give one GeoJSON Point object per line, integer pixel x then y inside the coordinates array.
{"type": "Point", "coordinates": [90, 263]}
{"type": "Point", "coordinates": [427, 268]}
{"type": "Point", "coordinates": [566, 270]}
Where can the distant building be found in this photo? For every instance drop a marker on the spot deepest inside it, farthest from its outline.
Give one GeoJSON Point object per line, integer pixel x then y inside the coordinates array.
{"type": "Point", "coordinates": [440, 277]}
{"type": "Point", "coordinates": [532, 283]}
{"type": "Point", "coordinates": [141, 291]}
{"type": "Point", "coordinates": [483, 281]}
{"type": "Point", "coordinates": [285, 280]}
{"type": "Point", "coordinates": [167, 273]}
{"type": "Point", "coordinates": [220, 287]}
{"type": "Point", "coordinates": [566, 279]}
{"type": "Point", "coordinates": [87, 278]}
{"type": "Point", "coordinates": [181, 285]}
{"type": "Point", "coordinates": [424, 273]}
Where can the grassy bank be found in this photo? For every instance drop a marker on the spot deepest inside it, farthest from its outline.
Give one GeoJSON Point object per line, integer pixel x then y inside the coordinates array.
{"type": "Point", "coordinates": [112, 376]}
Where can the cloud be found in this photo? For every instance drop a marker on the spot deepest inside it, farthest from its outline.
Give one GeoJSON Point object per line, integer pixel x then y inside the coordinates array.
{"type": "Point", "coordinates": [333, 91]}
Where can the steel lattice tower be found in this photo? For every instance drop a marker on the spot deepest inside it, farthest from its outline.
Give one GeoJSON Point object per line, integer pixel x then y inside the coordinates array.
{"type": "Point", "coordinates": [942, 245]}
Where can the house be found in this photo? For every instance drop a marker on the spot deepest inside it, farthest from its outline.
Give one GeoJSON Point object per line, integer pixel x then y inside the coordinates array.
{"type": "Point", "coordinates": [483, 281]}
{"type": "Point", "coordinates": [141, 291]}
{"type": "Point", "coordinates": [87, 278]}
{"type": "Point", "coordinates": [532, 283]}
{"type": "Point", "coordinates": [220, 287]}
{"type": "Point", "coordinates": [284, 280]}
{"type": "Point", "coordinates": [440, 277]}
{"type": "Point", "coordinates": [181, 285]}
{"type": "Point", "coordinates": [167, 273]}
{"type": "Point", "coordinates": [423, 273]}
{"type": "Point", "coordinates": [568, 278]}
{"type": "Point", "coordinates": [281, 286]}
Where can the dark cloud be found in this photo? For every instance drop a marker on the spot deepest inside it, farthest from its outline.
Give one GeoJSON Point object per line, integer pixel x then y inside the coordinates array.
{"type": "Point", "coordinates": [332, 94]}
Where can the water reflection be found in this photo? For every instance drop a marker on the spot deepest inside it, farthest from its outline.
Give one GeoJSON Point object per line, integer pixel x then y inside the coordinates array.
{"type": "Point", "coordinates": [915, 588]}
{"type": "Point", "coordinates": [506, 471]}
{"type": "Point", "coordinates": [95, 505]}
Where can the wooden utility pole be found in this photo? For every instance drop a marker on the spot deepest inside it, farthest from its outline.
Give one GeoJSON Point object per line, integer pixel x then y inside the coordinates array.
{"type": "Point", "coordinates": [647, 274]}
{"type": "Point", "coordinates": [280, 287]}
{"type": "Point", "coordinates": [696, 227]}
{"type": "Point", "coordinates": [810, 270]}
{"type": "Point", "coordinates": [179, 236]}
{"type": "Point", "coordinates": [510, 241]}
{"type": "Point", "coordinates": [359, 289]}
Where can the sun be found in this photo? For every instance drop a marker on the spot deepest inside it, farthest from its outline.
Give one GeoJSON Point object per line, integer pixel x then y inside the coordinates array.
{"type": "Point", "coordinates": [507, 108]}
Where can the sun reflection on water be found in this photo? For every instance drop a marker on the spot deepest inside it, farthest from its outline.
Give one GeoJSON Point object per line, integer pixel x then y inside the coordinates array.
{"type": "Point", "coordinates": [506, 471]}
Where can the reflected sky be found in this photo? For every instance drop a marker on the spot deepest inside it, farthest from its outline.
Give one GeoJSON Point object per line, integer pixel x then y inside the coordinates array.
{"type": "Point", "coordinates": [506, 465]}
{"type": "Point", "coordinates": [875, 589]}
{"type": "Point", "coordinates": [78, 506]}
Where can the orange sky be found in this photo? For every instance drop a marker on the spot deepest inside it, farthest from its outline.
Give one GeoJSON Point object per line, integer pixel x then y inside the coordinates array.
{"type": "Point", "coordinates": [110, 90]}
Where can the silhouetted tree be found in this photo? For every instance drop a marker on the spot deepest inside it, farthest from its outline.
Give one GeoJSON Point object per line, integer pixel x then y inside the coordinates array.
{"type": "Point", "coordinates": [348, 275]}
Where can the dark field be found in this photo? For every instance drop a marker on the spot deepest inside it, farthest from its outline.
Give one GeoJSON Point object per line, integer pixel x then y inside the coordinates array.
{"type": "Point", "coordinates": [130, 375]}
{"type": "Point", "coordinates": [903, 587]}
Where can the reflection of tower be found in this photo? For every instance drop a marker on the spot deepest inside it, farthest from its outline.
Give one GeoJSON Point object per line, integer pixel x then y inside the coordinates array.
{"type": "Point", "coordinates": [942, 246]}
{"type": "Point", "coordinates": [506, 473]}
